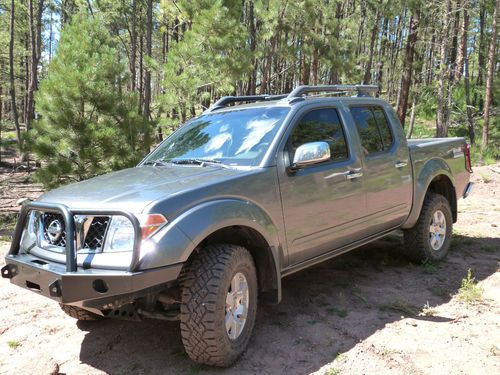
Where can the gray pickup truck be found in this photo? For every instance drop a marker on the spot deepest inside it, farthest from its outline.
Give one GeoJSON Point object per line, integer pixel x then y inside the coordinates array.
{"type": "Point", "coordinates": [232, 202]}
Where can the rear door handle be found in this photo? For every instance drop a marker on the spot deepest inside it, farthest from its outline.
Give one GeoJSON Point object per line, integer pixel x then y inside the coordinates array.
{"type": "Point", "coordinates": [401, 164]}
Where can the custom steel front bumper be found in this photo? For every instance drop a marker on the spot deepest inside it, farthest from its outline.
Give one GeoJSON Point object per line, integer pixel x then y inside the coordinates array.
{"type": "Point", "coordinates": [70, 284]}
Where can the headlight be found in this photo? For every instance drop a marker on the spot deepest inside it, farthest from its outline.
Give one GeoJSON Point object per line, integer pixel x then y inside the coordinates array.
{"type": "Point", "coordinates": [120, 235]}
{"type": "Point", "coordinates": [28, 238]}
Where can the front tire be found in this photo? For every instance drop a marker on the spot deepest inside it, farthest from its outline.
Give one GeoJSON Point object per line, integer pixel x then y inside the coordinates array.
{"type": "Point", "coordinates": [218, 304]}
{"type": "Point", "coordinates": [430, 238]}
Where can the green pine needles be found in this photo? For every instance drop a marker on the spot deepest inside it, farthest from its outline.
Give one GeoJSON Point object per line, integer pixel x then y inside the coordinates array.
{"type": "Point", "coordinates": [87, 124]}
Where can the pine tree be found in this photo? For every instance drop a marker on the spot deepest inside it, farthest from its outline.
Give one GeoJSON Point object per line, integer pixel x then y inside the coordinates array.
{"type": "Point", "coordinates": [87, 125]}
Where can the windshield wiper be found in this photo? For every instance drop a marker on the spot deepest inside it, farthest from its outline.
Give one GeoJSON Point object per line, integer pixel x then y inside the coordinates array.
{"type": "Point", "coordinates": [156, 163]}
{"type": "Point", "coordinates": [200, 162]}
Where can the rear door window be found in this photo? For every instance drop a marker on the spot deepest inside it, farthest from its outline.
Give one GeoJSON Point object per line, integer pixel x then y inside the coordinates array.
{"type": "Point", "coordinates": [373, 128]}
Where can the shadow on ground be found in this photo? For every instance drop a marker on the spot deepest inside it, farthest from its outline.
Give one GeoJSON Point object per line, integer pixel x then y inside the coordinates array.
{"type": "Point", "coordinates": [325, 310]}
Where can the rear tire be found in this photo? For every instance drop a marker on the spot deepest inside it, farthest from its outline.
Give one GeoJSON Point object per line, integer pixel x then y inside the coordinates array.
{"type": "Point", "coordinates": [430, 238]}
{"type": "Point", "coordinates": [218, 286]}
{"type": "Point", "coordinates": [79, 313]}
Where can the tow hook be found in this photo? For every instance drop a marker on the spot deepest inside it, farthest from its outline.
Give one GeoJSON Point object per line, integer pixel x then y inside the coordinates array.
{"type": "Point", "coordinates": [9, 271]}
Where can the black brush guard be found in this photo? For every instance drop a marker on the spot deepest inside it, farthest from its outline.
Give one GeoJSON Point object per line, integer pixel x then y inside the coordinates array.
{"type": "Point", "coordinates": [69, 284]}
{"type": "Point", "coordinates": [69, 221]}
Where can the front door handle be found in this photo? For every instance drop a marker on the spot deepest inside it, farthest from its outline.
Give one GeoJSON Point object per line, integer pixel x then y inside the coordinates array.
{"type": "Point", "coordinates": [356, 173]}
{"type": "Point", "coordinates": [400, 164]}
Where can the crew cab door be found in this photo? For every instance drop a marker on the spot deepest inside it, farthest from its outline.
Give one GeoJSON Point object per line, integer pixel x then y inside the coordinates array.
{"type": "Point", "coordinates": [321, 202]}
{"type": "Point", "coordinates": [386, 165]}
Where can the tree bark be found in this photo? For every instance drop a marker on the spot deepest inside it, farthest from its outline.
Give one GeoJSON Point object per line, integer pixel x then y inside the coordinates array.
{"type": "Point", "coordinates": [462, 50]}
{"type": "Point", "coordinates": [468, 105]}
{"type": "Point", "coordinates": [12, 88]}
{"type": "Point", "coordinates": [489, 76]}
{"type": "Point", "coordinates": [480, 51]}
{"type": "Point", "coordinates": [146, 103]}
{"type": "Point", "coordinates": [368, 69]}
{"type": "Point", "coordinates": [412, 117]}
{"type": "Point", "coordinates": [252, 80]}
{"type": "Point", "coordinates": [441, 124]}
{"type": "Point", "coordinates": [35, 30]}
{"type": "Point", "coordinates": [408, 66]}
{"type": "Point", "coordinates": [133, 47]}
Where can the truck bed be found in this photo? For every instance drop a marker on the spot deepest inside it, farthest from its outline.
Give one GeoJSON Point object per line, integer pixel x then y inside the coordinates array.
{"type": "Point", "coordinates": [449, 150]}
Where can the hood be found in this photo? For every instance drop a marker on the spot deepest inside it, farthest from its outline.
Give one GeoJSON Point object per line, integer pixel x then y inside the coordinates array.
{"type": "Point", "coordinates": [135, 188]}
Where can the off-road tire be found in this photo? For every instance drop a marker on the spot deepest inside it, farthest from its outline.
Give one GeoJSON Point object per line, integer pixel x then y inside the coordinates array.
{"type": "Point", "coordinates": [205, 283]}
{"type": "Point", "coordinates": [79, 313]}
{"type": "Point", "coordinates": [416, 240]}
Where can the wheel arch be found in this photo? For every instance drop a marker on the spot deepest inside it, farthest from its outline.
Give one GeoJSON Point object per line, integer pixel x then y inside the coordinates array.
{"type": "Point", "coordinates": [435, 176]}
{"type": "Point", "coordinates": [230, 221]}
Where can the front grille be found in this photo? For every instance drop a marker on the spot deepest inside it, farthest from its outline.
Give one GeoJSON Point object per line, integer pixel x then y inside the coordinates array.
{"type": "Point", "coordinates": [93, 229]}
{"type": "Point", "coordinates": [54, 229]}
{"type": "Point", "coordinates": [96, 233]}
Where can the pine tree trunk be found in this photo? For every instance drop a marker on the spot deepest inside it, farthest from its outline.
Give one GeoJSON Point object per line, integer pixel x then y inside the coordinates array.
{"type": "Point", "coordinates": [383, 48]}
{"type": "Point", "coordinates": [462, 50]}
{"type": "Point", "coordinates": [412, 118]}
{"type": "Point", "coordinates": [441, 124]}
{"type": "Point", "coordinates": [133, 47]}
{"type": "Point", "coordinates": [480, 51]}
{"type": "Point", "coordinates": [408, 66]}
{"type": "Point", "coordinates": [252, 80]}
{"type": "Point", "coordinates": [489, 76]}
{"type": "Point", "coordinates": [35, 29]}
{"type": "Point", "coordinates": [368, 69]}
{"type": "Point", "coordinates": [146, 103]}
{"type": "Point", "coordinates": [470, 119]}
{"type": "Point", "coordinates": [12, 88]}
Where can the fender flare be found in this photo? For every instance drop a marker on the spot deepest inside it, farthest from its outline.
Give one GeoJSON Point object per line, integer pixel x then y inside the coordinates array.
{"type": "Point", "coordinates": [426, 174]}
{"type": "Point", "coordinates": [177, 241]}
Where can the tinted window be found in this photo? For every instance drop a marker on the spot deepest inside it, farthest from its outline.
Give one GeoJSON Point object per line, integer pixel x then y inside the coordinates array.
{"type": "Point", "coordinates": [383, 127]}
{"type": "Point", "coordinates": [373, 129]}
{"type": "Point", "coordinates": [367, 130]}
{"type": "Point", "coordinates": [322, 125]}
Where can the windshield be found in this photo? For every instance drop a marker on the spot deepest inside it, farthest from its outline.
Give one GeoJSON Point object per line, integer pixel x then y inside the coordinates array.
{"type": "Point", "coordinates": [239, 137]}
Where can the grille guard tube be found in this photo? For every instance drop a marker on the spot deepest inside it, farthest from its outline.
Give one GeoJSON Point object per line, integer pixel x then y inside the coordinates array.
{"type": "Point", "coordinates": [69, 221]}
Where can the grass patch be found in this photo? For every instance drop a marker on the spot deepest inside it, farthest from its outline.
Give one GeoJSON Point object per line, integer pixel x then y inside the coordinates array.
{"type": "Point", "coordinates": [469, 291]}
{"type": "Point", "coordinates": [429, 267]}
{"type": "Point", "coordinates": [13, 344]}
{"type": "Point", "coordinates": [332, 371]}
{"type": "Point", "coordinates": [486, 178]}
{"type": "Point", "coordinates": [427, 310]}
{"type": "Point", "coordinates": [8, 221]}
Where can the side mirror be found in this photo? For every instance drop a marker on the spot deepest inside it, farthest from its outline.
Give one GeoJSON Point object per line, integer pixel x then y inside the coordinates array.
{"type": "Point", "coordinates": [310, 153]}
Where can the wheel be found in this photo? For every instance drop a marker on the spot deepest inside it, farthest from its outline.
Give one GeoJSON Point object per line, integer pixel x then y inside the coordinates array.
{"type": "Point", "coordinates": [218, 304]}
{"type": "Point", "coordinates": [79, 313]}
{"type": "Point", "coordinates": [429, 239]}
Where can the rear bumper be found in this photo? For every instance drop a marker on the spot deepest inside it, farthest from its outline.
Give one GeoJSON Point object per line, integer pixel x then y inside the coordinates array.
{"type": "Point", "coordinates": [468, 189]}
{"type": "Point", "coordinates": [100, 289]}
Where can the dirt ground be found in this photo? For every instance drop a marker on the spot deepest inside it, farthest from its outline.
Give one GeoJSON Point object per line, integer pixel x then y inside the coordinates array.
{"type": "Point", "coordinates": [366, 312]}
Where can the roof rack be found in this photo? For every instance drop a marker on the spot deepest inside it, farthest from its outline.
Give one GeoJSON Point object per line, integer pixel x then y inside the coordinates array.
{"type": "Point", "coordinates": [362, 90]}
{"type": "Point", "coordinates": [225, 100]}
{"type": "Point", "coordinates": [297, 93]}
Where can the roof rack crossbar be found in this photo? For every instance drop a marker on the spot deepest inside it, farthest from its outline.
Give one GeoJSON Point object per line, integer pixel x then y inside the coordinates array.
{"type": "Point", "coordinates": [225, 100]}
{"type": "Point", "coordinates": [362, 90]}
